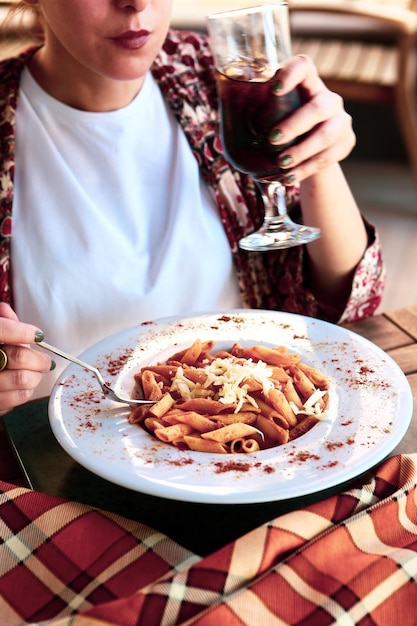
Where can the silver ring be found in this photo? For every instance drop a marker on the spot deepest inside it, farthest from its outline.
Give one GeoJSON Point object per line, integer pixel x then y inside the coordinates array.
{"type": "Point", "coordinates": [3, 360]}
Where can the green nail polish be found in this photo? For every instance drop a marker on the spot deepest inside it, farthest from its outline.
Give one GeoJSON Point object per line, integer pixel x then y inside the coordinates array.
{"type": "Point", "coordinates": [276, 87]}
{"type": "Point", "coordinates": [285, 160]}
{"type": "Point", "coordinates": [290, 179]}
{"type": "Point", "coordinates": [39, 336]}
{"type": "Point", "coordinates": [275, 135]}
{"type": "Point", "coordinates": [53, 366]}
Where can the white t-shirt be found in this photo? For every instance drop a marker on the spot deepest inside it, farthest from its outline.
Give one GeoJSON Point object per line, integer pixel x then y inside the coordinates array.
{"type": "Point", "coordinates": [112, 223]}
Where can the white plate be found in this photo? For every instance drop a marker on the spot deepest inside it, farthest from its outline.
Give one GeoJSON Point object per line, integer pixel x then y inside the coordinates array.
{"type": "Point", "coordinates": [369, 412]}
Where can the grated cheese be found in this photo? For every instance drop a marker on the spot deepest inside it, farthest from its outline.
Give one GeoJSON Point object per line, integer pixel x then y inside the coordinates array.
{"type": "Point", "coordinates": [227, 376]}
{"type": "Point", "coordinates": [312, 405]}
{"type": "Point", "coordinates": [314, 398]}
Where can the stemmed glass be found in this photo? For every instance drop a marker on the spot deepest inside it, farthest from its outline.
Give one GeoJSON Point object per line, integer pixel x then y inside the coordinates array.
{"type": "Point", "coordinates": [249, 46]}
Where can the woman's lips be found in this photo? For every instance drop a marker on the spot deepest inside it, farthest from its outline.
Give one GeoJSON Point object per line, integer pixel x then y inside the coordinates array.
{"type": "Point", "coordinates": [131, 39]}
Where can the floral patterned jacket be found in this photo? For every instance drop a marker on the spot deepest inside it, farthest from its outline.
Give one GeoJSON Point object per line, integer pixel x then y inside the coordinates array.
{"type": "Point", "coordinates": [274, 280]}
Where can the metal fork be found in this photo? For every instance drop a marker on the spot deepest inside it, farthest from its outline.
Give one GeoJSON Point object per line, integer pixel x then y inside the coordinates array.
{"type": "Point", "coordinates": [108, 391]}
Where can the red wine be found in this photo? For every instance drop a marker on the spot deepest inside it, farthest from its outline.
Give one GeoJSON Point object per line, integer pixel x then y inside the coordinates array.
{"type": "Point", "coordinates": [249, 111]}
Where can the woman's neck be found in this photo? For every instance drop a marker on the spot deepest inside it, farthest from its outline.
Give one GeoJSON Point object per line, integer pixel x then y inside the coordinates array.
{"type": "Point", "coordinates": [81, 90]}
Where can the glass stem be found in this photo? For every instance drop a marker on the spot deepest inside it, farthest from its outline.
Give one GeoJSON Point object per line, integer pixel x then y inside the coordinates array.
{"type": "Point", "coordinates": [273, 196]}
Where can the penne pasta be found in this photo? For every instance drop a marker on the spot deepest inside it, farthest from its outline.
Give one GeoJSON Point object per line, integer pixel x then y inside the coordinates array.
{"type": "Point", "coordinates": [267, 410]}
{"type": "Point", "coordinates": [138, 414]}
{"type": "Point", "coordinates": [247, 417]}
{"type": "Point", "coordinates": [211, 407]}
{"type": "Point", "coordinates": [162, 406]}
{"type": "Point", "coordinates": [238, 401]}
{"type": "Point", "coordinates": [203, 445]}
{"type": "Point", "coordinates": [244, 445]}
{"type": "Point", "coordinates": [227, 433]}
{"type": "Point", "coordinates": [199, 423]}
{"type": "Point", "coordinates": [171, 433]}
{"type": "Point", "coordinates": [303, 426]}
{"type": "Point", "coordinates": [195, 375]}
{"type": "Point", "coordinates": [273, 431]}
{"type": "Point", "coordinates": [282, 406]}
{"type": "Point", "coordinates": [151, 388]}
{"type": "Point", "coordinates": [316, 377]}
{"type": "Point", "coordinates": [152, 423]}
{"type": "Point", "coordinates": [291, 394]}
{"type": "Point", "coordinates": [303, 384]}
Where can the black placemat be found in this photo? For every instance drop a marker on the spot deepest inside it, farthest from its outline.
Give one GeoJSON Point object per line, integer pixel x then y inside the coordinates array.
{"type": "Point", "coordinates": [200, 527]}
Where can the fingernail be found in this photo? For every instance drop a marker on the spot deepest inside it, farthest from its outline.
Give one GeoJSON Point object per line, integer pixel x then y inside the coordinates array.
{"type": "Point", "coordinates": [275, 135]}
{"type": "Point", "coordinates": [276, 87]}
{"type": "Point", "coordinates": [53, 366]}
{"type": "Point", "coordinates": [285, 160]}
{"type": "Point", "coordinates": [290, 179]}
{"type": "Point", "coordinates": [39, 336]}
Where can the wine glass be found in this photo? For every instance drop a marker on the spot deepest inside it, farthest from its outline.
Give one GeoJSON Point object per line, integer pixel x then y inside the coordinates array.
{"type": "Point", "coordinates": [249, 46]}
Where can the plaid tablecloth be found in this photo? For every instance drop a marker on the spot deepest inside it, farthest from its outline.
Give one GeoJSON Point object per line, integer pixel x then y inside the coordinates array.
{"type": "Point", "coordinates": [350, 559]}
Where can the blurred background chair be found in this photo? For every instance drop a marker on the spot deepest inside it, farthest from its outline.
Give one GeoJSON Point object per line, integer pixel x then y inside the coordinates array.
{"type": "Point", "coordinates": [365, 50]}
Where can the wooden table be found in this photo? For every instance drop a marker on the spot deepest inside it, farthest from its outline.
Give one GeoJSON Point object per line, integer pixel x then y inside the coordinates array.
{"type": "Point", "coordinates": [394, 331]}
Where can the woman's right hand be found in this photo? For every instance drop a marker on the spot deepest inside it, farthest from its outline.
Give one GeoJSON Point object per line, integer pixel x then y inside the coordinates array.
{"type": "Point", "coordinates": [25, 366]}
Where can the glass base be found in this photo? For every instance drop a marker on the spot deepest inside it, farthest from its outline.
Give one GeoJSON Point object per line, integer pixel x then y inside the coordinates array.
{"type": "Point", "coordinates": [279, 237]}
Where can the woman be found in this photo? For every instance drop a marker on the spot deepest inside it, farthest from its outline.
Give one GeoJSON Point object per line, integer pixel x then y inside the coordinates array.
{"type": "Point", "coordinates": [123, 206]}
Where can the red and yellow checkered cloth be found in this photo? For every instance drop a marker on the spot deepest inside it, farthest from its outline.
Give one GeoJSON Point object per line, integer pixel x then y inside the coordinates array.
{"type": "Point", "coordinates": [351, 559]}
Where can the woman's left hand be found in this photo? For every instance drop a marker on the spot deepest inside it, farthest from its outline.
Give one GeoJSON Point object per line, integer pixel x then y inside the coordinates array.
{"type": "Point", "coordinates": [329, 136]}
